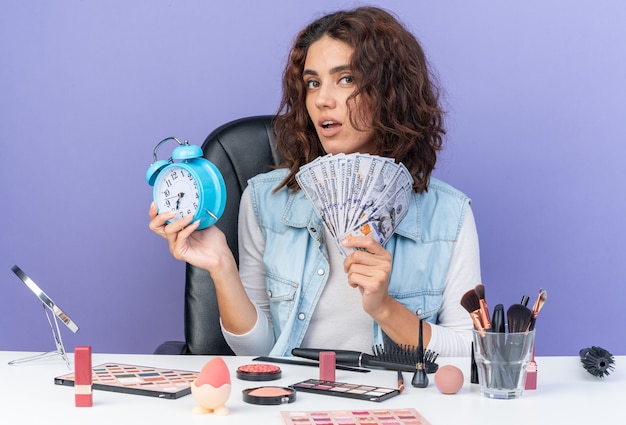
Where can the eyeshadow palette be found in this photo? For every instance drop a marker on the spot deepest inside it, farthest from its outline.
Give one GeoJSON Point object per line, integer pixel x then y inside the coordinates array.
{"type": "Point", "coordinates": [141, 380]}
{"type": "Point", "coordinates": [342, 389]}
{"type": "Point", "coordinates": [354, 417]}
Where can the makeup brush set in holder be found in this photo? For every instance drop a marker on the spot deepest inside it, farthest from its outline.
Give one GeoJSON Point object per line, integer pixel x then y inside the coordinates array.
{"type": "Point", "coordinates": [519, 318]}
{"type": "Point", "coordinates": [503, 342]}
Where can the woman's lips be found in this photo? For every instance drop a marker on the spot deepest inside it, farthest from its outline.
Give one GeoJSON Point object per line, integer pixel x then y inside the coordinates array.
{"type": "Point", "coordinates": [329, 128]}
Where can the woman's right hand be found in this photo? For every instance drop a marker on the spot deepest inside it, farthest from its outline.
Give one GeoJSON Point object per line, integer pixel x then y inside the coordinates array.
{"type": "Point", "coordinates": [205, 248]}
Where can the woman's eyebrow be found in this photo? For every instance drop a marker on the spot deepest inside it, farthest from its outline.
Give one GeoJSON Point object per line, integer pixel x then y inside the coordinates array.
{"type": "Point", "coordinates": [335, 70]}
{"type": "Point", "coordinates": [338, 69]}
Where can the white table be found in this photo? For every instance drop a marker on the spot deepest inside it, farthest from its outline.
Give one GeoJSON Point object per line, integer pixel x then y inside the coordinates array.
{"type": "Point", "coordinates": [566, 394]}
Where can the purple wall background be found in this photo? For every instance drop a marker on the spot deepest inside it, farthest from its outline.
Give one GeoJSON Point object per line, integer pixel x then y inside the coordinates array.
{"type": "Point", "coordinates": [535, 93]}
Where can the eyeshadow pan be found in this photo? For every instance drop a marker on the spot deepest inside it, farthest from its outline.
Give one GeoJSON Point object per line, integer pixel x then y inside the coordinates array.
{"type": "Point", "coordinates": [342, 389]}
{"type": "Point", "coordinates": [405, 416]}
{"type": "Point", "coordinates": [133, 379]}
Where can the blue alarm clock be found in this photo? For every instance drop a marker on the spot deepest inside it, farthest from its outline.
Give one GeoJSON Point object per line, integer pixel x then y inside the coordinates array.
{"type": "Point", "coordinates": [188, 184]}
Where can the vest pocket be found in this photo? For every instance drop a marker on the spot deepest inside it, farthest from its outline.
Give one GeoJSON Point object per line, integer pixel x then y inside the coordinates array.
{"type": "Point", "coordinates": [422, 304]}
{"type": "Point", "coordinates": [281, 293]}
{"type": "Point", "coordinates": [279, 289]}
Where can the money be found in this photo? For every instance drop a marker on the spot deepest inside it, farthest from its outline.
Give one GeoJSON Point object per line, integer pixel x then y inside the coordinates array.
{"type": "Point", "coordinates": [357, 194]}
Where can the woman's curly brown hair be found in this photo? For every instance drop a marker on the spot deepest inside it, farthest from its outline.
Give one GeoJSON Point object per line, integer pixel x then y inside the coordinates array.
{"type": "Point", "coordinates": [390, 70]}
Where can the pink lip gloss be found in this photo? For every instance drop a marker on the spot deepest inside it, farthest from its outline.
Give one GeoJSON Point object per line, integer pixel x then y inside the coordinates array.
{"type": "Point", "coordinates": [82, 376]}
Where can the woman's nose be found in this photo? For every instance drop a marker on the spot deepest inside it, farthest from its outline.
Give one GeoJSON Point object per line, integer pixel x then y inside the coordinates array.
{"type": "Point", "coordinates": [325, 97]}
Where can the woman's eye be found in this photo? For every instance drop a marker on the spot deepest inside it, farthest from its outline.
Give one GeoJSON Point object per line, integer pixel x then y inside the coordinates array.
{"type": "Point", "coordinates": [311, 84]}
{"type": "Point", "coordinates": [348, 79]}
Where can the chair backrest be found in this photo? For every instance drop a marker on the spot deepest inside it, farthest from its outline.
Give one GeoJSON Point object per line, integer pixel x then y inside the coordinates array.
{"type": "Point", "coordinates": [240, 149]}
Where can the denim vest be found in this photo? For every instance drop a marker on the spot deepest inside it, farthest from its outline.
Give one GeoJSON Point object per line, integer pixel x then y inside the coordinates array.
{"type": "Point", "coordinates": [296, 259]}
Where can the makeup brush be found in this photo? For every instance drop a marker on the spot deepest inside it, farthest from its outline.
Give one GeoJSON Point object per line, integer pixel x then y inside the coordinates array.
{"type": "Point", "coordinates": [400, 382]}
{"type": "Point", "coordinates": [471, 303]}
{"type": "Point", "coordinates": [420, 377]}
{"type": "Point", "coordinates": [405, 354]}
{"type": "Point", "coordinates": [498, 325]}
{"type": "Point", "coordinates": [497, 320]}
{"type": "Point", "coordinates": [597, 361]}
{"type": "Point", "coordinates": [518, 318]}
{"type": "Point", "coordinates": [473, 367]}
{"type": "Point", "coordinates": [484, 309]}
{"type": "Point", "coordinates": [524, 300]}
{"type": "Point", "coordinates": [541, 300]}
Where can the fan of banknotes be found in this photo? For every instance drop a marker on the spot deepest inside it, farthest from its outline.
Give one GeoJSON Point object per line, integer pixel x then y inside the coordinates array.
{"type": "Point", "coordinates": [357, 194]}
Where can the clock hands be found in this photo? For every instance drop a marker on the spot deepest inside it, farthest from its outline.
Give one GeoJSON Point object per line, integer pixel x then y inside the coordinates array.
{"type": "Point", "coordinates": [178, 196]}
{"type": "Point", "coordinates": [181, 195]}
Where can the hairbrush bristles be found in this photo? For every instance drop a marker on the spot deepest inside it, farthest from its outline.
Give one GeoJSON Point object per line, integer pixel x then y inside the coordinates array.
{"type": "Point", "coordinates": [597, 361]}
{"type": "Point", "coordinates": [405, 354]}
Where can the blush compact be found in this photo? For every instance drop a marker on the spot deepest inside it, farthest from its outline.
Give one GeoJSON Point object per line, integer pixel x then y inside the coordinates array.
{"type": "Point", "coordinates": [259, 372]}
{"type": "Point", "coordinates": [269, 395]}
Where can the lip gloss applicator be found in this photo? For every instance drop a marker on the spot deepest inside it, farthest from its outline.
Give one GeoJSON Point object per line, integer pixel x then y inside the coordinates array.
{"type": "Point", "coordinates": [82, 376]}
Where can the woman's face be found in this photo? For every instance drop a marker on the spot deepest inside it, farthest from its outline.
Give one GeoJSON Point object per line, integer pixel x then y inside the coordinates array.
{"type": "Point", "coordinates": [329, 83]}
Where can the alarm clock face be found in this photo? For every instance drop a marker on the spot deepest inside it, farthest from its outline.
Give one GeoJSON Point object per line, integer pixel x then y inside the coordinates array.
{"type": "Point", "coordinates": [176, 190]}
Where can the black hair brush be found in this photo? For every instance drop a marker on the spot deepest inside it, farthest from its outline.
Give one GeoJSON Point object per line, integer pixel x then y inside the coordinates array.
{"type": "Point", "coordinates": [393, 359]}
{"type": "Point", "coordinates": [406, 354]}
{"type": "Point", "coordinates": [597, 361]}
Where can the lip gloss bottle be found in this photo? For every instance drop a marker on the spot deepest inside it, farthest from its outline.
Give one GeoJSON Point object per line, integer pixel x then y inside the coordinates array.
{"type": "Point", "coordinates": [82, 376]}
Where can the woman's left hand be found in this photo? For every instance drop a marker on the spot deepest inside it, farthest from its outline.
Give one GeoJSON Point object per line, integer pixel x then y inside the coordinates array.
{"type": "Point", "coordinates": [368, 269]}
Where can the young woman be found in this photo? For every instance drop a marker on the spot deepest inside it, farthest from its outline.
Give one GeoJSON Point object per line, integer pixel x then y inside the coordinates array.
{"type": "Point", "coordinates": [355, 81]}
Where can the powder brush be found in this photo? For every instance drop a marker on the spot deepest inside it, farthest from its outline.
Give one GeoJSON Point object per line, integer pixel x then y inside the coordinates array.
{"type": "Point", "coordinates": [484, 309]}
{"type": "Point", "coordinates": [518, 318]}
{"type": "Point", "coordinates": [471, 303]}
